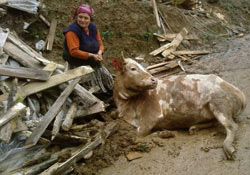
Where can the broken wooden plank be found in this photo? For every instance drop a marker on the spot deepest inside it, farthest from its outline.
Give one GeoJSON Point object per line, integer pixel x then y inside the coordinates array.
{"type": "Point", "coordinates": [161, 49]}
{"type": "Point", "coordinates": [169, 65]}
{"type": "Point", "coordinates": [57, 124]}
{"type": "Point", "coordinates": [51, 67]}
{"type": "Point", "coordinates": [54, 80]}
{"type": "Point", "coordinates": [20, 56]}
{"type": "Point", "coordinates": [13, 112]}
{"type": "Point", "coordinates": [157, 65]}
{"type": "Point", "coordinates": [96, 108]}
{"type": "Point", "coordinates": [23, 72]}
{"type": "Point", "coordinates": [50, 115]}
{"type": "Point", "coordinates": [44, 20]}
{"type": "Point", "coordinates": [176, 42]}
{"type": "Point", "coordinates": [58, 168]}
{"type": "Point", "coordinates": [51, 35]}
{"type": "Point", "coordinates": [171, 36]}
{"type": "Point", "coordinates": [28, 50]}
{"type": "Point", "coordinates": [156, 14]}
{"type": "Point", "coordinates": [191, 52]}
{"type": "Point", "coordinates": [67, 123]}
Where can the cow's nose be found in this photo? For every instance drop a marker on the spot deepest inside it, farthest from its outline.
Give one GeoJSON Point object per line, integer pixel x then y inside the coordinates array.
{"type": "Point", "coordinates": [153, 79]}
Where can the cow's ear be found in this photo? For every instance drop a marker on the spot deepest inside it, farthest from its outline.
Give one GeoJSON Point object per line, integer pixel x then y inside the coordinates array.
{"type": "Point", "coordinates": [116, 63]}
{"type": "Point", "coordinates": [119, 63]}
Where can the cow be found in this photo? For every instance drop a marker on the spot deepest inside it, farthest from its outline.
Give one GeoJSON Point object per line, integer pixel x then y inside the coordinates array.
{"type": "Point", "coordinates": [176, 102]}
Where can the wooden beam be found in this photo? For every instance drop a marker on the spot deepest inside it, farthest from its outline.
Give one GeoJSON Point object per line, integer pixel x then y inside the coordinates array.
{"type": "Point", "coordinates": [161, 49]}
{"type": "Point", "coordinates": [51, 36]}
{"type": "Point", "coordinates": [23, 72]}
{"type": "Point", "coordinates": [191, 52]}
{"type": "Point", "coordinates": [156, 13]}
{"type": "Point", "coordinates": [20, 56]}
{"type": "Point", "coordinates": [171, 36]}
{"type": "Point", "coordinates": [50, 115]}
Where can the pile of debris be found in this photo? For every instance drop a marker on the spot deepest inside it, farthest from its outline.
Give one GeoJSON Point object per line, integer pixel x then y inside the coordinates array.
{"type": "Point", "coordinates": [38, 98]}
{"type": "Point", "coordinates": [169, 51]}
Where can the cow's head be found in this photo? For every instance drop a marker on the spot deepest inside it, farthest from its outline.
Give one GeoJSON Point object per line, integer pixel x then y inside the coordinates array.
{"type": "Point", "coordinates": [133, 76]}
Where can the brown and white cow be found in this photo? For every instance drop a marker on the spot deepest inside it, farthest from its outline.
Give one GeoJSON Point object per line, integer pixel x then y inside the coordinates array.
{"type": "Point", "coordinates": [182, 101]}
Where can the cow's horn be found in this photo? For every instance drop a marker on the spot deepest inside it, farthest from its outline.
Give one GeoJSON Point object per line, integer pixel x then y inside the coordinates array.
{"type": "Point", "coordinates": [122, 55]}
{"type": "Point", "coordinates": [123, 58]}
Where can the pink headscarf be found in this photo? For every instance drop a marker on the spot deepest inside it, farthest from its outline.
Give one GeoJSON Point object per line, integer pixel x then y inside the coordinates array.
{"type": "Point", "coordinates": [83, 8]}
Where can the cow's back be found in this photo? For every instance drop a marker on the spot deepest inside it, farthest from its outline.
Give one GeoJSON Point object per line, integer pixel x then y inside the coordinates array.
{"type": "Point", "coordinates": [185, 99]}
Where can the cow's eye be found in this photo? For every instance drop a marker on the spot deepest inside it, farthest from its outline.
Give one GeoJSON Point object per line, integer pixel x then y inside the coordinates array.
{"type": "Point", "coordinates": [133, 69]}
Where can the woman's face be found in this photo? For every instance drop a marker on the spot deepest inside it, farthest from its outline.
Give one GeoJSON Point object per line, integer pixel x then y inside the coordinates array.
{"type": "Point", "coordinates": [83, 20]}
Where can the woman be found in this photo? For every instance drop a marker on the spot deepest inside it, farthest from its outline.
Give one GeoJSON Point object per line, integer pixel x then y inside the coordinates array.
{"type": "Point", "coordinates": [83, 46]}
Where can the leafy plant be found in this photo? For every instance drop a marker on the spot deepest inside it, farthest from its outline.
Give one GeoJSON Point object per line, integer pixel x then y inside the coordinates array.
{"type": "Point", "coordinates": [107, 34]}
{"type": "Point", "coordinates": [148, 35]}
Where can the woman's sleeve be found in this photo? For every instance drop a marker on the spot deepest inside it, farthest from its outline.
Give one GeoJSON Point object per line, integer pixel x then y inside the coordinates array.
{"type": "Point", "coordinates": [73, 46]}
{"type": "Point", "coordinates": [99, 39]}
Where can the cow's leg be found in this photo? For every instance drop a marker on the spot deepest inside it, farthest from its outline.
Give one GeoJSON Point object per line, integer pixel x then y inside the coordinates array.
{"type": "Point", "coordinates": [231, 127]}
{"type": "Point", "coordinates": [193, 129]}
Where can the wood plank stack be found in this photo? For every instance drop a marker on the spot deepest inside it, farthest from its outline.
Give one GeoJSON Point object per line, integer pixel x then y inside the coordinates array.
{"type": "Point", "coordinates": [40, 101]}
{"type": "Point", "coordinates": [169, 51]}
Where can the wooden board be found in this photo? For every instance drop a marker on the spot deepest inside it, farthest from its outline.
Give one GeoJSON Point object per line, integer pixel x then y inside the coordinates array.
{"type": "Point", "coordinates": [20, 56]}
{"type": "Point", "coordinates": [23, 72]}
{"type": "Point", "coordinates": [51, 35]}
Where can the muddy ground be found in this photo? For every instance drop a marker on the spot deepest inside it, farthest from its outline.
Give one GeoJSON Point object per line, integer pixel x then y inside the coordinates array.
{"type": "Point", "coordinates": [128, 26]}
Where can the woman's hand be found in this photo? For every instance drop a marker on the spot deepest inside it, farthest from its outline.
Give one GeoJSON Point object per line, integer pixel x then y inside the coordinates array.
{"type": "Point", "coordinates": [97, 57]}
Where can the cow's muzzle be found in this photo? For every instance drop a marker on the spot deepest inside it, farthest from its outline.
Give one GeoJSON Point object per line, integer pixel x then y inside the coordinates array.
{"type": "Point", "coordinates": [152, 83]}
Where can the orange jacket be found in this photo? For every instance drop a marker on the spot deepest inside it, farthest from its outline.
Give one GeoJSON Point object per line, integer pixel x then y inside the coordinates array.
{"type": "Point", "coordinates": [73, 45]}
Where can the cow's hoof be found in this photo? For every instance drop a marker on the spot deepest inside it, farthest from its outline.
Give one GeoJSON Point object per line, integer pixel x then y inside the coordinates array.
{"type": "Point", "coordinates": [229, 151]}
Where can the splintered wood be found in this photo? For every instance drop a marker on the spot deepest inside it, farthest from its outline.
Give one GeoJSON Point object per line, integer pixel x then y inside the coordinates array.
{"type": "Point", "coordinates": [169, 51]}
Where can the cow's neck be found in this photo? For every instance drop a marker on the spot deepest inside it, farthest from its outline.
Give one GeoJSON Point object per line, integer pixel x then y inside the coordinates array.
{"type": "Point", "coordinates": [125, 93]}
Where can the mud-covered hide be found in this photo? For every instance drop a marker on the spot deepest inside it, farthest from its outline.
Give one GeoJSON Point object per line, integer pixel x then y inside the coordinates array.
{"type": "Point", "coordinates": [175, 102]}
